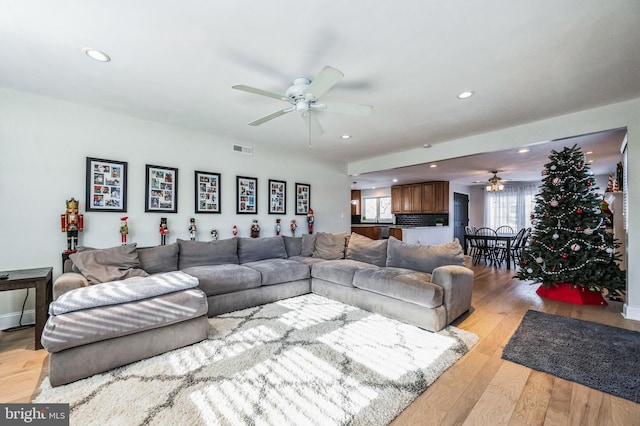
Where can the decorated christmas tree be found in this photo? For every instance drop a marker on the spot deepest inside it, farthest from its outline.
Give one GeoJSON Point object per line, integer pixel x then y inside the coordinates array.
{"type": "Point", "coordinates": [569, 240]}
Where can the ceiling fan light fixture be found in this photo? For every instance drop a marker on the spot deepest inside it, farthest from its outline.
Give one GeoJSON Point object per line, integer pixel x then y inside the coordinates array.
{"type": "Point", "coordinates": [495, 183]}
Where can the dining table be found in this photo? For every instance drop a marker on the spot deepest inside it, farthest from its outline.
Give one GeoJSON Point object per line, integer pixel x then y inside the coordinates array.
{"type": "Point", "coordinates": [508, 238]}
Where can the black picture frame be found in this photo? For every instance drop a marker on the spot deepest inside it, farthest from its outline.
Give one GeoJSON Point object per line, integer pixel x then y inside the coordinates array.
{"type": "Point", "coordinates": [106, 187]}
{"type": "Point", "coordinates": [277, 197]}
{"type": "Point", "coordinates": [303, 198]}
{"type": "Point", "coordinates": [161, 195]}
{"type": "Point", "coordinates": [208, 192]}
{"type": "Point", "coordinates": [246, 195]}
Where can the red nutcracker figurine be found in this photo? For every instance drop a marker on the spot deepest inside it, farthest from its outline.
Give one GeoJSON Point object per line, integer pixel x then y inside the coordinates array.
{"type": "Point", "coordinates": [293, 227]}
{"type": "Point", "coordinates": [310, 220]}
{"type": "Point", "coordinates": [234, 230]}
{"type": "Point", "coordinates": [278, 227]}
{"type": "Point", "coordinates": [72, 223]}
{"type": "Point", "coordinates": [124, 229]}
{"type": "Point", "coordinates": [164, 231]}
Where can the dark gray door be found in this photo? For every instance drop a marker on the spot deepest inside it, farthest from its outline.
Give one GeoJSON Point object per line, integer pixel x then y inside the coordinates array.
{"type": "Point", "coordinates": [460, 216]}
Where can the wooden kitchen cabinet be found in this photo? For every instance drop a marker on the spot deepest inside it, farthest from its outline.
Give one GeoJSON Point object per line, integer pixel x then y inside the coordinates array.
{"type": "Point", "coordinates": [417, 198]}
{"type": "Point", "coordinates": [356, 207]}
{"type": "Point", "coordinates": [396, 199]}
{"type": "Point", "coordinates": [396, 232]}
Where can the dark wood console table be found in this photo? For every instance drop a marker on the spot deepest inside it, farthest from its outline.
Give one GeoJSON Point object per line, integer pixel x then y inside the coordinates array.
{"type": "Point", "coordinates": [40, 279]}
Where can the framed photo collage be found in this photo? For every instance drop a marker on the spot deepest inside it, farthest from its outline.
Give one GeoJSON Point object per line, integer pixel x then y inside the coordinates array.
{"type": "Point", "coordinates": [106, 190]}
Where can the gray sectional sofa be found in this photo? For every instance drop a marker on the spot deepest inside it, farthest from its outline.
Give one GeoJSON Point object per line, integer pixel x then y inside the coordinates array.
{"type": "Point", "coordinates": [427, 286]}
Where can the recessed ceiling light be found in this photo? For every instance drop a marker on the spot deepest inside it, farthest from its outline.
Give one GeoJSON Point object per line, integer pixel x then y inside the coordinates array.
{"type": "Point", "coordinates": [96, 54]}
{"type": "Point", "coordinates": [433, 166]}
{"type": "Point", "coordinates": [523, 150]}
{"type": "Point", "coordinates": [466, 94]}
{"type": "Point", "coordinates": [395, 180]}
{"type": "Point", "coordinates": [589, 152]}
{"type": "Point", "coordinates": [373, 187]}
{"type": "Point", "coordinates": [427, 145]}
{"type": "Point", "coordinates": [591, 161]}
{"type": "Point", "coordinates": [345, 136]}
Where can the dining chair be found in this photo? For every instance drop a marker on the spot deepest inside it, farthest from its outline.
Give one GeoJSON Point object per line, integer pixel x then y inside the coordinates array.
{"type": "Point", "coordinates": [470, 242]}
{"type": "Point", "coordinates": [505, 229]}
{"type": "Point", "coordinates": [516, 246]}
{"type": "Point", "coordinates": [487, 246]}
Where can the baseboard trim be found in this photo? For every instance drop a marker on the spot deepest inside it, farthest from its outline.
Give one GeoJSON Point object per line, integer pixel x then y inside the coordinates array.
{"type": "Point", "coordinates": [630, 313]}
{"type": "Point", "coordinates": [12, 319]}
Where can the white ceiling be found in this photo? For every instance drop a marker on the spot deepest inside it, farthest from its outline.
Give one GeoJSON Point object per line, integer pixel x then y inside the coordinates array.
{"type": "Point", "coordinates": [175, 62]}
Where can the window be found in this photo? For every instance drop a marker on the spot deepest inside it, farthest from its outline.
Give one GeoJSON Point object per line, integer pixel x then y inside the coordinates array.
{"type": "Point", "coordinates": [377, 209]}
{"type": "Point", "coordinates": [512, 207]}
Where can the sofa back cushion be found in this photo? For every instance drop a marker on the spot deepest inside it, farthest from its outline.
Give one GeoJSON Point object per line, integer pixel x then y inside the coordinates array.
{"type": "Point", "coordinates": [293, 245]}
{"type": "Point", "coordinates": [200, 253]}
{"type": "Point", "coordinates": [329, 246]}
{"type": "Point", "coordinates": [110, 264]}
{"type": "Point", "coordinates": [308, 245]}
{"type": "Point", "coordinates": [159, 259]}
{"type": "Point", "coordinates": [367, 250]}
{"type": "Point", "coordinates": [255, 249]}
{"type": "Point", "coordinates": [423, 258]}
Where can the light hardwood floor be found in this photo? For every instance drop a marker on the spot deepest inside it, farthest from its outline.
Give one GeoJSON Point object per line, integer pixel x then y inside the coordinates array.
{"type": "Point", "coordinates": [480, 389]}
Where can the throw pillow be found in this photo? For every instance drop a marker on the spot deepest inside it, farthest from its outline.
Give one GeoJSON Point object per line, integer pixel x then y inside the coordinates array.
{"type": "Point", "coordinates": [293, 245]}
{"type": "Point", "coordinates": [367, 250]}
{"type": "Point", "coordinates": [308, 245]}
{"type": "Point", "coordinates": [110, 264]}
{"type": "Point", "coordinates": [201, 253]}
{"type": "Point", "coordinates": [255, 249]}
{"type": "Point", "coordinates": [159, 259]}
{"type": "Point", "coordinates": [329, 246]}
{"type": "Point", "coordinates": [423, 258]}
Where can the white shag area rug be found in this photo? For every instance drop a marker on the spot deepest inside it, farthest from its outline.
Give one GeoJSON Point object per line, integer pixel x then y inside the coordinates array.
{"type": "Point", "coordinates": [307, 360]}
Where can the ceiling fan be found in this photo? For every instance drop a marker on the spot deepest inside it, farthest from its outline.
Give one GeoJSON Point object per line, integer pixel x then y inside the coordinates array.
{"type": "Point", "coordinates": [304, 96]}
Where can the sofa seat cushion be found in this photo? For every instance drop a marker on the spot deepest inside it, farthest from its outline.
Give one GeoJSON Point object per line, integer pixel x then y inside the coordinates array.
{"type": "Point", "coordinates": [339, 271]}
{"type": "Point", "coordinates": [309, 261]}
{"type": "Point", "coordinates": [423, 258]}
{"type": "Point", "coordinates": [221, 279]}
{"type": "Point", "coordinates": [399, 283]}
{"type": "Point", "coordinates": [107, 322]}
{"type": "Point", "coordinates": [277, 271]}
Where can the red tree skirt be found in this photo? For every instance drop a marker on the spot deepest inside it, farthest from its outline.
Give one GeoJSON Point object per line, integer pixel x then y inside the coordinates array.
{"type": "Point", "coordinates": [572, 294]}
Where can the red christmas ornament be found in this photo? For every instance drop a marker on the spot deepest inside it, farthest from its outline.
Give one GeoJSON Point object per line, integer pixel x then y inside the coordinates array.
{"type": "Point", "coordinates": [565, 255]}
{"type": "Point", "coordinates": [547, 215]}
{"type": "Point", "coordinates": [552, 248]}
{"type": "Point", "coordinates": [579, 211]}
{"type": "Point", "coordinates": [589, 183]}
{"type": "Point", "coordinates": [525, 262]}
{"type": "Point", "coordinates": [579, 229]}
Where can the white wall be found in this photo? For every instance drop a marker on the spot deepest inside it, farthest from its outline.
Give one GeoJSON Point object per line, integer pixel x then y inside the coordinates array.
{"type": "Point", "coordinates": [43, 148]}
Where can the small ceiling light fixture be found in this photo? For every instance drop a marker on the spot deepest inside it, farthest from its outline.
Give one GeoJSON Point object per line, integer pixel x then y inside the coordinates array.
{"type": "Point", "coordinates": [495, 183]}
{"type": "Point", "coordinates": [466, 94]}
{"type": "Point", "coordinates": [433, 166]}
{"type": "Point", "coordinates": [589, 152]}
{"type": "Point", "coordinates": [523, 150]}
{"type": "Point", "coordinates": [96, 55]}
{"type": "Point", "coordinates": [345, 136]}
{"type": "Point", "coordinates": [395, 180]}
{"type": "Point", "coordinates": [427, 145]}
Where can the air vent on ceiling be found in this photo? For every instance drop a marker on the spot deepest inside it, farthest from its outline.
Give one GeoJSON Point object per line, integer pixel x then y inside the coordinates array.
{"type": "Point", "coordinates": [248, 150]}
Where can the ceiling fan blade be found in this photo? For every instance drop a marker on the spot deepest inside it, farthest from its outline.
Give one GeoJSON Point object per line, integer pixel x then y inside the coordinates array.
{"type": "Point", "coordinates": [327, 78]}
{"type": "Point", "coordinates": [344, 108]}
{"type": "Point", "coordinates": [271, 116]}
{"type": "Point", "coordinates": [311, 121]}
{"type": "Point", "coordinates": [261, 92]}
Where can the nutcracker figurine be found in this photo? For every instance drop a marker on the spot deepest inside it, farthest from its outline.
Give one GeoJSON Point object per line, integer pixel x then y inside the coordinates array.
{"type": "Point", "coordinates": [293, 227]}
{"type": "Point", "coordinates": [72, 223]}
{"type": "Point", "coordinates": [124, 229]}
{"type": "Point", "coordinates": [214, 234]}
{"type": "Point", "coordinates": [278, 227]}
{"type": "Point", "coordinates": [164, 231]}
{"type": "Point", "coordinates": [255, 229]}
{"type": "Point", "coordinates": [192, 229]}
{"type": "Point", "coordinates": [310, 220]}
{"type": "Point", "coordinates": [234, 230]}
